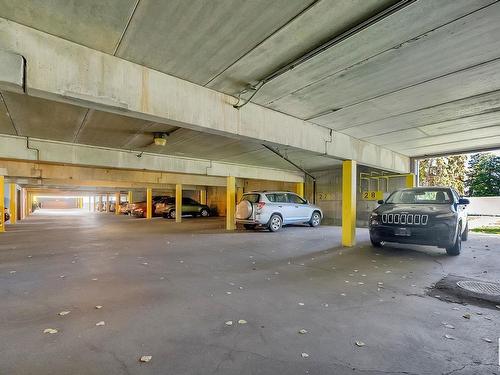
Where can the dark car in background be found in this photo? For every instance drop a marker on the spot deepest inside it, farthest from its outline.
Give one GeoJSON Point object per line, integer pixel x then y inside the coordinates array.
{"type": "Point", "coordinates": [434, 216]}
{"type": "Point", "coordinates": [189, 207]}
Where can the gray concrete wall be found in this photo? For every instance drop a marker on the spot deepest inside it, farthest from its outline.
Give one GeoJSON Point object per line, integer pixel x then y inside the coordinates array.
{"type": "Point", "coordinates": [487, 206]}
{"type": "Point", "coordinates": [58, 202]}
{"type": "Point", "coordinates": [329, 193]}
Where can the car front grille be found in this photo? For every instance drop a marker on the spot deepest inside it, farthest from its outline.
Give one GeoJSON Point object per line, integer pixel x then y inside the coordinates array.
{"type": "Point", "coordinates": [405, 219]}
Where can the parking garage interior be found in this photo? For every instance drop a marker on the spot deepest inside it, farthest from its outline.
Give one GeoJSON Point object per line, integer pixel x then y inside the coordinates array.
{"type": "Point", "coordinates": [124, 101]}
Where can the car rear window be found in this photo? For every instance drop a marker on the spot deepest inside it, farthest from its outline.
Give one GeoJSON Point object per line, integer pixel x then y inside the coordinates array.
{"type": "Point", "coordinates": [252, 198]}
{"type": "Point", "coordinates": [277, 197]}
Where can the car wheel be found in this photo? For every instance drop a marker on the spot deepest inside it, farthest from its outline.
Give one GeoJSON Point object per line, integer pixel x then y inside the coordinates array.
{"type": "Point", "coordinates": [457, 246]}
{"type": "Point", "coordinates": [275, 223]}
{"type": "Point", "coordinates": [376, 243]}
{"type": "Point", "coordinates": [315, 219]}
{"type": "Point", "coordinates": [204, 212]}
{"type": "Point", "coordinates": [465, 234]}
{"type": "Point", "coordinates": [171, 213]}
{"type": "Point", "coordinates": [249, 226]}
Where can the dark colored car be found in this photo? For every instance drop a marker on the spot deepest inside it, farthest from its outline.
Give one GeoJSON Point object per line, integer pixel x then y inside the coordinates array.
{"type": "Point", "coordinates": [189, 207]}
{"type": "Point", "coordinates": [434, 216]}
{"type": "Point", "coordinates": [6, 215]}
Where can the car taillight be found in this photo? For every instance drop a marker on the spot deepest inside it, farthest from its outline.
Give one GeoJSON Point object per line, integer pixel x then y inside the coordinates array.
{"type": "Point", "coordinates": [261, 205]}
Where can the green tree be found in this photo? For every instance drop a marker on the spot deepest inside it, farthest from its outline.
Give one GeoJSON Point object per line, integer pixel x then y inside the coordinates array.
{"type": "Point", "coordinates": [444, 171]}
{"type": "Point", "coordinates": [483, 178]}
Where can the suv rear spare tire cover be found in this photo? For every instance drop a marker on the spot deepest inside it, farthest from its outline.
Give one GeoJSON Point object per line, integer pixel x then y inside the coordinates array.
{"type": "Point", "coordinates": [244, 210]}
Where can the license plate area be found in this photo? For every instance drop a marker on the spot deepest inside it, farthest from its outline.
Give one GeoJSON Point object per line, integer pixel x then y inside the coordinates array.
{"type": "Point", "coordinates": [405, 232]}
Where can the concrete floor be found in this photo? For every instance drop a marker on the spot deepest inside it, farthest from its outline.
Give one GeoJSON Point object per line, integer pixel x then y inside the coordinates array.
{"type": "Point", "coordinates": [167, 290]}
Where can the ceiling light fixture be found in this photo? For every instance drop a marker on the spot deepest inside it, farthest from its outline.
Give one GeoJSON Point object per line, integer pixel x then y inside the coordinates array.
{"type": "Point", "coordinates": [160, 139]}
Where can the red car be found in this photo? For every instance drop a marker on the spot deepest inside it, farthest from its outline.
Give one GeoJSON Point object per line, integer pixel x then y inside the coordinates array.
{"type": "Point", "coordinates": [139, 209]}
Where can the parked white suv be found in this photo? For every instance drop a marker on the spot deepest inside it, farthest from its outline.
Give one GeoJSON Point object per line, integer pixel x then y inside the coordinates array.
{"type": "Point", "coordinates": [273, 209]}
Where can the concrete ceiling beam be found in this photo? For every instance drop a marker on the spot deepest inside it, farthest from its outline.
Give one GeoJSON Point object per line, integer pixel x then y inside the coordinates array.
{"type": "Point", "coordinates": [39, 150]}
{"type": "Point", "coordinates": [64, 71]}
{"type": "Point", "coordinates": [53, 174]}
{"type": "Point", "coordinates": [11, 72]}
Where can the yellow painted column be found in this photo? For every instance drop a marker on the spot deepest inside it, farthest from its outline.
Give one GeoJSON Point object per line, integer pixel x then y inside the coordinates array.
{"type": "Point", "coordinates": [149, 203]}
{"type": "Point", "coordinates": [2, 204]}
{"type": "Point", "coordinates": [410, 180]}
{"type": "Point", "coordinates": [129, 196]}
{"type": "Point", "coordinates": [178, 203]}
{"type": "Point", "coordinates": [117, 203]}
{"type": "Point", "coordinates": [348, 203]}
{"type": "Point", "coordinates": [299, 189]}
{"type": "Point", "coordinates": [230, 203]}
{"type": "Point", "coordinates": [25, 203]}
{"type": "Point", "coordinates": [239, 193]}
{"type": "Point", "coordinates": [203, 196]}
{"type": "Point", "coordinates": [13, 203]}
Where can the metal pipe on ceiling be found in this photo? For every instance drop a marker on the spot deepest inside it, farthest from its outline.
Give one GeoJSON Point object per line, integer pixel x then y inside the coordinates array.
{"type": "Point", "coordinates": [289, 161]}
{"type": "Point", "coordinates": [321, 48]}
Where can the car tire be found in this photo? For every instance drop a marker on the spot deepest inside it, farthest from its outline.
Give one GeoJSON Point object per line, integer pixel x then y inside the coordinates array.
{"type": "Point", "coordinates": [376, 243]}
{"type": "Point", "coordinates": [171, 214]}
{"type": "Point", "coordinates": [275, 223]}
{"type": "Point", "coordinates": [204, 212]}
{"type": "Point", "coordinates": [249, 226]}
{"type": "Point", "coordinates": [315, 219]}
{"type": "Point", "coordinates": [465, 234]}
{"type": "Point", "coordinates": [457, 245]}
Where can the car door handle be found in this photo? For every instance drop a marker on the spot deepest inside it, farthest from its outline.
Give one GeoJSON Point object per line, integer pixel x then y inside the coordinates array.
{"type": "Point", "coordinates": [296, 206]}
{"type": "Point", "coordinates": [280, 206]}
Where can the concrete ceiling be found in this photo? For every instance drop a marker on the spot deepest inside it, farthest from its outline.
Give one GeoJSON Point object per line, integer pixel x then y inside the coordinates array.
{"type": "Point", "coordinates": [28, 116]}
{"type": "Point", "coordinates": [422, 80]}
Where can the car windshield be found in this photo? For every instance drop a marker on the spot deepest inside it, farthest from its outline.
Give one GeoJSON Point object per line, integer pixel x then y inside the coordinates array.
{"type": "Point", "coordinates": [252, 198]}
{"type": "Point", "coordinates": [420, 196]}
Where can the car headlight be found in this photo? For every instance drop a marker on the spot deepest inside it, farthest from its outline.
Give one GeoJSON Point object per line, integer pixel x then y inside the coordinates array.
{"type": "Point", "coordinates": [374, 218]}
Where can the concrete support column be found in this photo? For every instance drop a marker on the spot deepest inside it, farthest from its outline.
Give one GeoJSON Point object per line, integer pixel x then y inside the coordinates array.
{"type": "Point", "coordinates": [100, 207]}
{"type": "Point", "coordinates": [2, 204]}
{"type": "Point", "coordinates": [203, 196]}
{"type": "Point", "coordinates": [13, 203]}
{"type": "Point", "coordinates": [90, 205]}
{"type": "Point", "coordinates": [299, 189]}
{"type": "Point", "coordinates": [107, 203]}
{"type": "Point", "coordinates": [149, 203]}
{"type": "Point", "coordinates": [129, 196]}
{"type": "Point", "coordinates": [178, 203]}
{"type": "Point", "coordinates": [410, 180]}
{"type": "Point", "coordinates": [231, 203]}
{"type": "Point", "coordinates": [117, 203]}
{"type": "Point", "coordinates": [348, 203]}
{"type": "Point", "coordinates": [25, 204]}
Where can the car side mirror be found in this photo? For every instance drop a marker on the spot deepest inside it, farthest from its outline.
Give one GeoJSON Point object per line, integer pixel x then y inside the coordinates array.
{"type": "Point", "coordinates": [380, 201]}
{"type": "Point", "coordinates": [463, 201]}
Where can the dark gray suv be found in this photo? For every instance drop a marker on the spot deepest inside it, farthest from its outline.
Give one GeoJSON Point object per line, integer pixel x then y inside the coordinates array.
{"type": "Point", "coordinates": [435, 216]}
